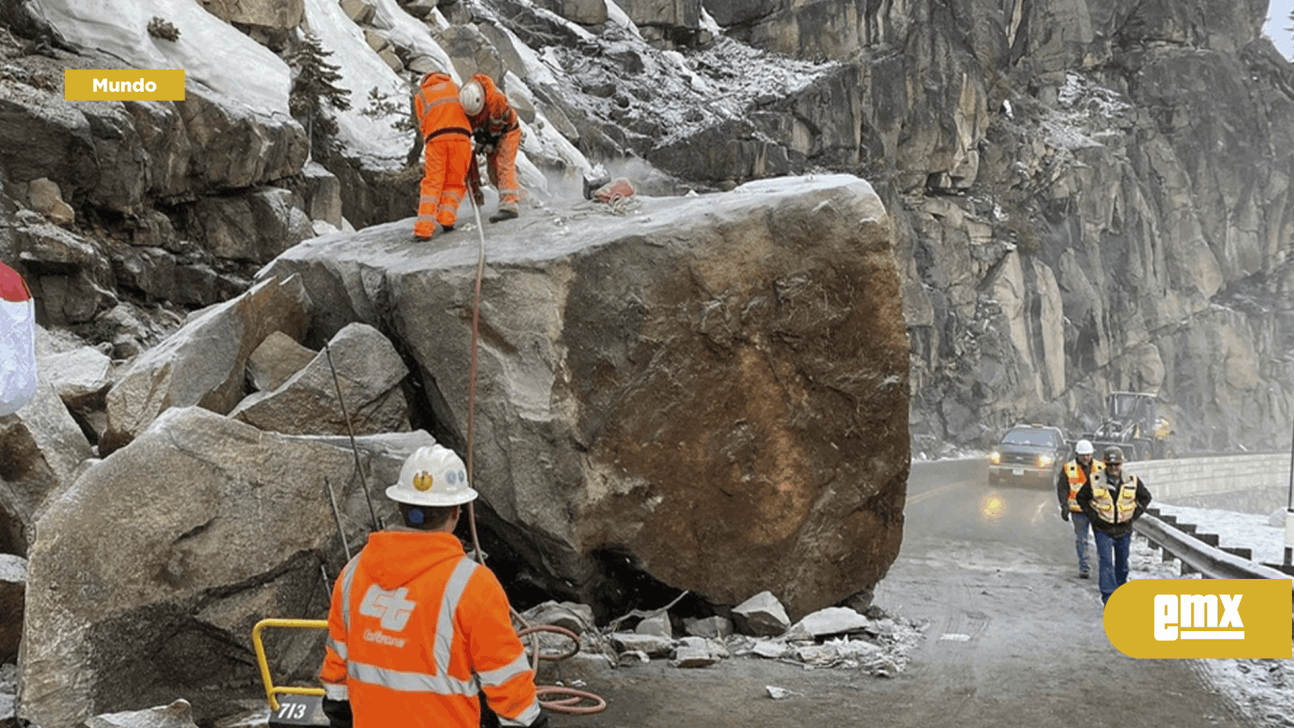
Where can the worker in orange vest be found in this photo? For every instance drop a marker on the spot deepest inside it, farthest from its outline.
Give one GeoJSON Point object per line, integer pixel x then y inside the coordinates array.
{"type": "Point", "coordinates": [497, 132]}
{"type": "Point", "coordinates": [417, 630]}
{"type": "Point", "coordinates": [447, 157]}
{"type": "Point", "coordinates": [1074, 475]}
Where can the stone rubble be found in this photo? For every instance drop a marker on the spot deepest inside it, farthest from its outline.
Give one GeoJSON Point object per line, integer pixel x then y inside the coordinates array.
{"type": "Point", "coordinates": [834, 637]}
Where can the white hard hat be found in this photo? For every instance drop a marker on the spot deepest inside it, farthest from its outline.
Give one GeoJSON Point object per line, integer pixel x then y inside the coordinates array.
{"type": "Point", "coordinates": [473, 97]}
{"type": "Point", "coordinates": [1084, 448]}
{"type": "Point", "coordinates": [432, 476]}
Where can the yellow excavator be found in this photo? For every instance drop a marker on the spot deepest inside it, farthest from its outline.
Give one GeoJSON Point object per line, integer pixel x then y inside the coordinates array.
{"type": "Point", "coordinates": [1132, 422]}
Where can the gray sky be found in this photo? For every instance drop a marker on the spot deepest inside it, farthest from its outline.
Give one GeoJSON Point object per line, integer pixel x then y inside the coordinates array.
{"type": "Point", "coordinates": [1278, 19]}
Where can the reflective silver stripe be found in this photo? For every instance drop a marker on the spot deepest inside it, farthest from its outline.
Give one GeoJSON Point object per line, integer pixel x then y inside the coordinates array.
{"type": "Point", "coordinates": [347, 578]}
{"type": "Point", "coordinates": [427, 104]}
{"type": "Point", "coordinates": [454, 588]}
{"type": "Point", "coordinates": [333, 691]}
{"type": "Point", "coordinates": [412, 682]}
{"type": "Point", "coordinates": [500, 675]}
{"type": "Point", "coordinates": [526, 718]}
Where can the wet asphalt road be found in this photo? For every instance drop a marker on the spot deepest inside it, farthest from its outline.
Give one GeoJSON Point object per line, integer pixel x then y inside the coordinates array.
{"type": "Point", "coordinates": [1013, 639]}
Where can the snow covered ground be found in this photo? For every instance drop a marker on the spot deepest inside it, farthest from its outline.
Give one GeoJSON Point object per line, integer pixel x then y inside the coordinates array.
{"type": "Point", "coordinates": [1263, 690]}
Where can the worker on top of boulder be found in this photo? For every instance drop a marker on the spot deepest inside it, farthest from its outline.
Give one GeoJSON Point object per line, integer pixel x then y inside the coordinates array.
{"type": "Point", "coordinates": [447, 135]}
{"type": "Point", "coordinates": [497, 132]}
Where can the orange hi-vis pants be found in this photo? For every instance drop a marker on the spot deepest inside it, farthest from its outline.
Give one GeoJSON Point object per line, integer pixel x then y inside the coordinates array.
{"type": "Point", "coordinates": [444, 182]}
{"type": "Point", "coordinates": [503, 167]}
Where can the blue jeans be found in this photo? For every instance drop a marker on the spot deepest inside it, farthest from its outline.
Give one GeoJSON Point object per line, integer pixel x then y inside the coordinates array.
{"type": "Point", "coordinates": [1081, 528]}
{"type": "Point", "coordinates": [1112, 553]}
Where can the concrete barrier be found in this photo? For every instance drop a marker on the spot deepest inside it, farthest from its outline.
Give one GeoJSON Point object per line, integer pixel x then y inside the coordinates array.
{"type": "Point", "coordinates": [1247, 483]}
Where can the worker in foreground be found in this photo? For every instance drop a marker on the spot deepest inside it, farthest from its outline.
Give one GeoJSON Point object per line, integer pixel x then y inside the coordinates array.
{"type": "Point", "coordinates": [497, 132]}
{"type": "Point", "coordinates": [447, 157]}
{"type": "Point", "coordinates": [1072, 477]}
{"type": "Point", "coordinates": [417, 630]}
{"type": "Point", "coordinates": [1112, 501]}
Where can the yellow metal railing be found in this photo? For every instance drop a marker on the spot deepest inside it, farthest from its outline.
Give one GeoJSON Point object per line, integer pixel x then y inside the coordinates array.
{"type": "Point", "coordinates": [271, 692]}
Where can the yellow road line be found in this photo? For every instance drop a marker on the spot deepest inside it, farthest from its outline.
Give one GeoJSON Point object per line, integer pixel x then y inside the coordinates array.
{"type": "Point", "coordinates": [930, 494]}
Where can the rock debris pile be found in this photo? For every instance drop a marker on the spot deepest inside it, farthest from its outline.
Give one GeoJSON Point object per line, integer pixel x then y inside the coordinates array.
{"type": "Point", "coordinates": [874, 642]}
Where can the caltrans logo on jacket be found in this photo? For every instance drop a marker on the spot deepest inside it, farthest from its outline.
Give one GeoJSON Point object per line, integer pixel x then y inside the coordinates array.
{"type": "Point", "coordinates": [417, 631]}
{"type": "Point", "coordinates": [391, 608]}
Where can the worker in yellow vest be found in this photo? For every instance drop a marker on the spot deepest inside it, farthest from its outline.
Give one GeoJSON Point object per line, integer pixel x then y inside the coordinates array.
{"type": "Point", "coordinates": [1073, 475]}
{"type": "Point", "coordinates": [1112, 501]}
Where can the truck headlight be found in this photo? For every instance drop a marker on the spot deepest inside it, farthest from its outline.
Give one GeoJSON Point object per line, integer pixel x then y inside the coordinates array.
{"type": "Point", "coordinates": [1045, 461]}
{"type": "Point", "coordinates": [995, 457]}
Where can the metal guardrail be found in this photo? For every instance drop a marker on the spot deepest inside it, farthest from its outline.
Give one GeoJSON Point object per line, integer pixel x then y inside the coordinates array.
{"type": "Point", "coordinates": [1210, 561]}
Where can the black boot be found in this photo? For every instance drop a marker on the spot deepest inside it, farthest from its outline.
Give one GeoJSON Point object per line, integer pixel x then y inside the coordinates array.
{"type": "Point", "coordinates": [504, 213]}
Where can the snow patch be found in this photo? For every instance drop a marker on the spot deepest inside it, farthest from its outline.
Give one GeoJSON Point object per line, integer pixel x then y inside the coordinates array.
{"type": "Point", "coordinates": [245, 73]}
{"type": "Point", "coordinates": [406, 31]}
{"type": "Point", "coordinates": [617, 15]}
{"type": "Point", "coordinates": [374, 141]}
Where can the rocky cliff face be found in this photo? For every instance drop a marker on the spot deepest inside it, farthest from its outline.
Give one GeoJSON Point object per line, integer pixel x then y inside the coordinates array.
{"type": "Point", "coordinates": [1093, 196]}
{"type": "Point", "coordinates": [1090, 195]}
{"type": "Point", "coordinates": [1128, 228]}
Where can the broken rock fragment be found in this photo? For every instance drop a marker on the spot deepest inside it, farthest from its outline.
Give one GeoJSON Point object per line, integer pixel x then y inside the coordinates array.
{"type": "Point", "coordinates": [658, 625]}
{"type": "Point", "coordinates": [577, 618]}
{"type": "Point", "coordinates": [761, 616]}
{"type": "Point", "coordinates": [651, 645]}
{"type": "Point", "coordinates": [833, 620]}
{"type": "Point", "coordinates": [368, 372]}
{"type": "Point", "coordinates": [710, 627]}
{"type": "Point", "coordinates": [698, 652]}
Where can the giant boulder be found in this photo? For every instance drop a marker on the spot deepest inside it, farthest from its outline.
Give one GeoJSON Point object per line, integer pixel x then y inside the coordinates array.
{"type": "Point", "coordinates": [714, 393]}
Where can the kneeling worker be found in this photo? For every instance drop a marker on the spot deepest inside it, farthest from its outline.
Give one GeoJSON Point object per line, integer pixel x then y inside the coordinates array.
{"type": "Point", "coordinates": [417, 630]}
{"type": "Point", "coordinates": [497, 132]}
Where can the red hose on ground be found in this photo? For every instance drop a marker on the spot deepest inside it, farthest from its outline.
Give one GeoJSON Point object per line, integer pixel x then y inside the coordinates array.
{"type": "Point", "coordinates": [569, 704]}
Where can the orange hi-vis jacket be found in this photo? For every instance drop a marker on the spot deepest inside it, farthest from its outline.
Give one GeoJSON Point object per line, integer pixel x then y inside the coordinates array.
{"type": "Point", "coordinates": [497, 117]}
{"type": "Point", "coordinates": [438, 108]}
{"type": "Point", "coordinates": [497, 125]}
{"type": "Point", "coordinates": [417, 630]}
{"type": "Point", "coordinates": [1076, 477]}
{"type": "Point", "coordinates": [448, 154]}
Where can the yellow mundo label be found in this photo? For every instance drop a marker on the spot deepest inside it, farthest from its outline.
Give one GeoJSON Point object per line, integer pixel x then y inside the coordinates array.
{"type": "Point", "coordinates": [81, 84]}
{"type": "Point", "coordinates": [1197, 618]}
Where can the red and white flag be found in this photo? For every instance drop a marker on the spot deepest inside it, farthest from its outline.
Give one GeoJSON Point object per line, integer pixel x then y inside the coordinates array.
{"type": "Point", "coordinates": [17, 342]}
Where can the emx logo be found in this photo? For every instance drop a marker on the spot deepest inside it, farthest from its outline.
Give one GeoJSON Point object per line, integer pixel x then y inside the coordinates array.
{"type": "Point", "coordinates": [1194, 618]}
